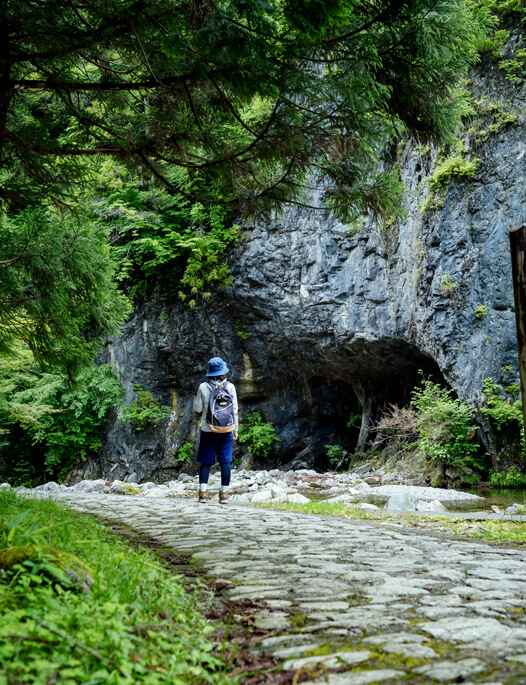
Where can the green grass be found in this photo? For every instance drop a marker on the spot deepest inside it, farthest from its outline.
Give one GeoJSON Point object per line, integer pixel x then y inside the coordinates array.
{"type": "Point", "coordinates": [138, 624]}
{"type": "Point", "coordinates": [492, 530]}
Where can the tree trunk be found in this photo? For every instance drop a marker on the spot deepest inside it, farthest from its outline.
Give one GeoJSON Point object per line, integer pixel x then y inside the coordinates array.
{"type": "Point", "coordinates": [518, 264]}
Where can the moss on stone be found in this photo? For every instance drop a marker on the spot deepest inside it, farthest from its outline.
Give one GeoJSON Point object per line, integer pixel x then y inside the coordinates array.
{"type": "Point", "coordinates": [11, 556]}
{"type": "Point", "coordinates": [75, 572]}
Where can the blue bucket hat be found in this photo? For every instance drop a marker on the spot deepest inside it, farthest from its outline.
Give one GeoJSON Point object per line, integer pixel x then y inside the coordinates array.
{"type": "Point", "coordinates": [217, 367]}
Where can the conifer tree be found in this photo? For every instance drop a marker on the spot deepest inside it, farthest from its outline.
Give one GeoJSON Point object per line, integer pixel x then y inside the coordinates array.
{"type": "Point", "coordinates": [246, 103]}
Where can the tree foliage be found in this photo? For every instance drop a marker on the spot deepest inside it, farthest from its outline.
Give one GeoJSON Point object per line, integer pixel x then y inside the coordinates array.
{"type": "Point", "coordinates": [47, 421]}
{"type": "Point", "coordinates": [57, 290]}
{"type": "Point", "coordinates": [248, 99]}
{"type": "Point", "coordinates": [157, 236]}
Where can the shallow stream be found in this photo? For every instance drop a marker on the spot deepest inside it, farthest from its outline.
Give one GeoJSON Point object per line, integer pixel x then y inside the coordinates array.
{"type": "Point", "coordinates": [500, 498]}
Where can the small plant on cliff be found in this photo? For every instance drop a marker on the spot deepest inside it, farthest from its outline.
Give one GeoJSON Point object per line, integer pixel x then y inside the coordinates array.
{"type": "Point", "coordinates": [501, 411]}
{"type": "Point", "coordinates": [449, 167]}
{"type": "Point", "coordinates": [257, 434]}
{"type": "Point", "coordinates": [145, 411]}
{"type": "Point", "coordinates": [447, 285]}
{"type": "Point", "coordinates": [185, 453]}
{"type": "Point", "coordinates": [481, 312]}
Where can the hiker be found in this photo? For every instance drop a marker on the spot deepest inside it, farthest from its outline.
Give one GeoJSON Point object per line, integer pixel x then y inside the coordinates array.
{"type": "Point", "coordinates": [217, 402]}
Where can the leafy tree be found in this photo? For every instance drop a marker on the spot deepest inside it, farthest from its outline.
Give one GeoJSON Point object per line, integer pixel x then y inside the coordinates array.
{"type": "Point", "coordinates": [48, 422]}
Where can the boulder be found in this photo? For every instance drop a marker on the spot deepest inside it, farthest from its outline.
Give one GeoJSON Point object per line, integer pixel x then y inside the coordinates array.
{"type": "Point", "coordinates": [239, 498]}
{"type": "Point", "coordinates": [185, 478]}
{"type": "Point", "coordinates": [119, 488]}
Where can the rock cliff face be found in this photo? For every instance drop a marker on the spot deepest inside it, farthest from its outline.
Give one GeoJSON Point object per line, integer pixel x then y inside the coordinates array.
{"type": "Point", "coordinates": [321, 322]}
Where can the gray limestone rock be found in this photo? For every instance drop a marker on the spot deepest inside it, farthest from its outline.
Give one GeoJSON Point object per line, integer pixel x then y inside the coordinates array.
{"type": "Point", "coordinates": [450, 671]}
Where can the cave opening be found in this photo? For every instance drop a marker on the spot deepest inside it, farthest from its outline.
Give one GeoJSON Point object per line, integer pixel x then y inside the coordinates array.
{"type": "Point", "coordinates": [344, 399]}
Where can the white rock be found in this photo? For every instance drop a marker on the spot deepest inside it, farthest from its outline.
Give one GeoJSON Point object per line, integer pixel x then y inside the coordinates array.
{"type": "Point", "coordinates": [158, 492]}
{"type": "Point", "coordinates": [279, 493]}
{"type": "Point", "coordinates": [296, 498]}
{"type": "Point", "coordinates": [5, 486]}
{"type": "Point", "coordinates": [49, 487]}
{"type": "Point", "coordinates": [360, 486]}
{"type": "Point", "coordinates": [341, 499]}
{"type": "Point", "coordinates": [262, 496]}
{"type": "Point", "coordinates": [307, 472]}
{"type": "Point", "coordinates": [239, 498]}
{"type": "Point", "coordinates": [368, 507]}
{"type": "Point", "coordinates": [90, 486]}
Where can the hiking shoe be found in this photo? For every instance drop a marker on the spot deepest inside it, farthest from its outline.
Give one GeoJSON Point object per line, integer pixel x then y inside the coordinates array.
{"type": "Point", "coordinates": [203, 496]}
{"type": "Point", "coordinates": [223, 497]}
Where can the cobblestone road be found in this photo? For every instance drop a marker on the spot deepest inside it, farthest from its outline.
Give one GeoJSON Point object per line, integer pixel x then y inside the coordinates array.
{"type": "Point", "coordinates": [378, 603]}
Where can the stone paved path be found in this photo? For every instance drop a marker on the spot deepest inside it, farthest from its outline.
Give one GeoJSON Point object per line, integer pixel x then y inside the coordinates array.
{"type": "Point", "coordinates": [378, 603]}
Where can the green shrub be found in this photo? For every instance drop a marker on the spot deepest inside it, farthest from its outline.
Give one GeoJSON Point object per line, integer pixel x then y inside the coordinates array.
{"type": "Point", "coordinates": [500, 411]}
{"type": "Point", "coordinates": [185, 453]}
{"type": "Point", "coordinates": [335, 454]}
{"type": "Point", "coordinates": [436, 424]}
{"type": "Point", "coordinates": [257, 434]}
{"type": "Point", "coordinates": [47, 420]}
{"type": "Point", "coordinates": [512, 478]}
{"type": "Point", "coordinates": [445, 426]}
{"type": "Point", "coordinates": [145, 411]}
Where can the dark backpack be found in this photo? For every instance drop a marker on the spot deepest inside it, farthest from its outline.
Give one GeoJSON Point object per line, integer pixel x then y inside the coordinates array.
{"type": "Point", "coordinates": [220, 413]}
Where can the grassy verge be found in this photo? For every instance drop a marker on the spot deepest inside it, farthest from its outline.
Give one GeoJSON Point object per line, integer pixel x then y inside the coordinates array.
{"type": "Point", "coordinates": [492, 530]}
{"type": "Point", "coordinates": [137, 624]}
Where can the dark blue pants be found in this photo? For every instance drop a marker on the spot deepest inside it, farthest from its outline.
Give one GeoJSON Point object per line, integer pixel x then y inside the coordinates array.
{"type": "Point", "coordinates": [204, 473]}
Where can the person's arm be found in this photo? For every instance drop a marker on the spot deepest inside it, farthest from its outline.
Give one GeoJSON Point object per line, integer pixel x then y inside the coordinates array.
{"type": "Point", "coordinates": [236, 411]}
{"type": "Point", "coordinates": [199, 401]}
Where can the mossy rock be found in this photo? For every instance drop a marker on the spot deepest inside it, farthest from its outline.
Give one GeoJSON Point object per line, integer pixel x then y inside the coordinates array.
{"type": "Point", "coordinates": [72, 572]}
{"type": "Point", "coordinates": [11, 556]}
